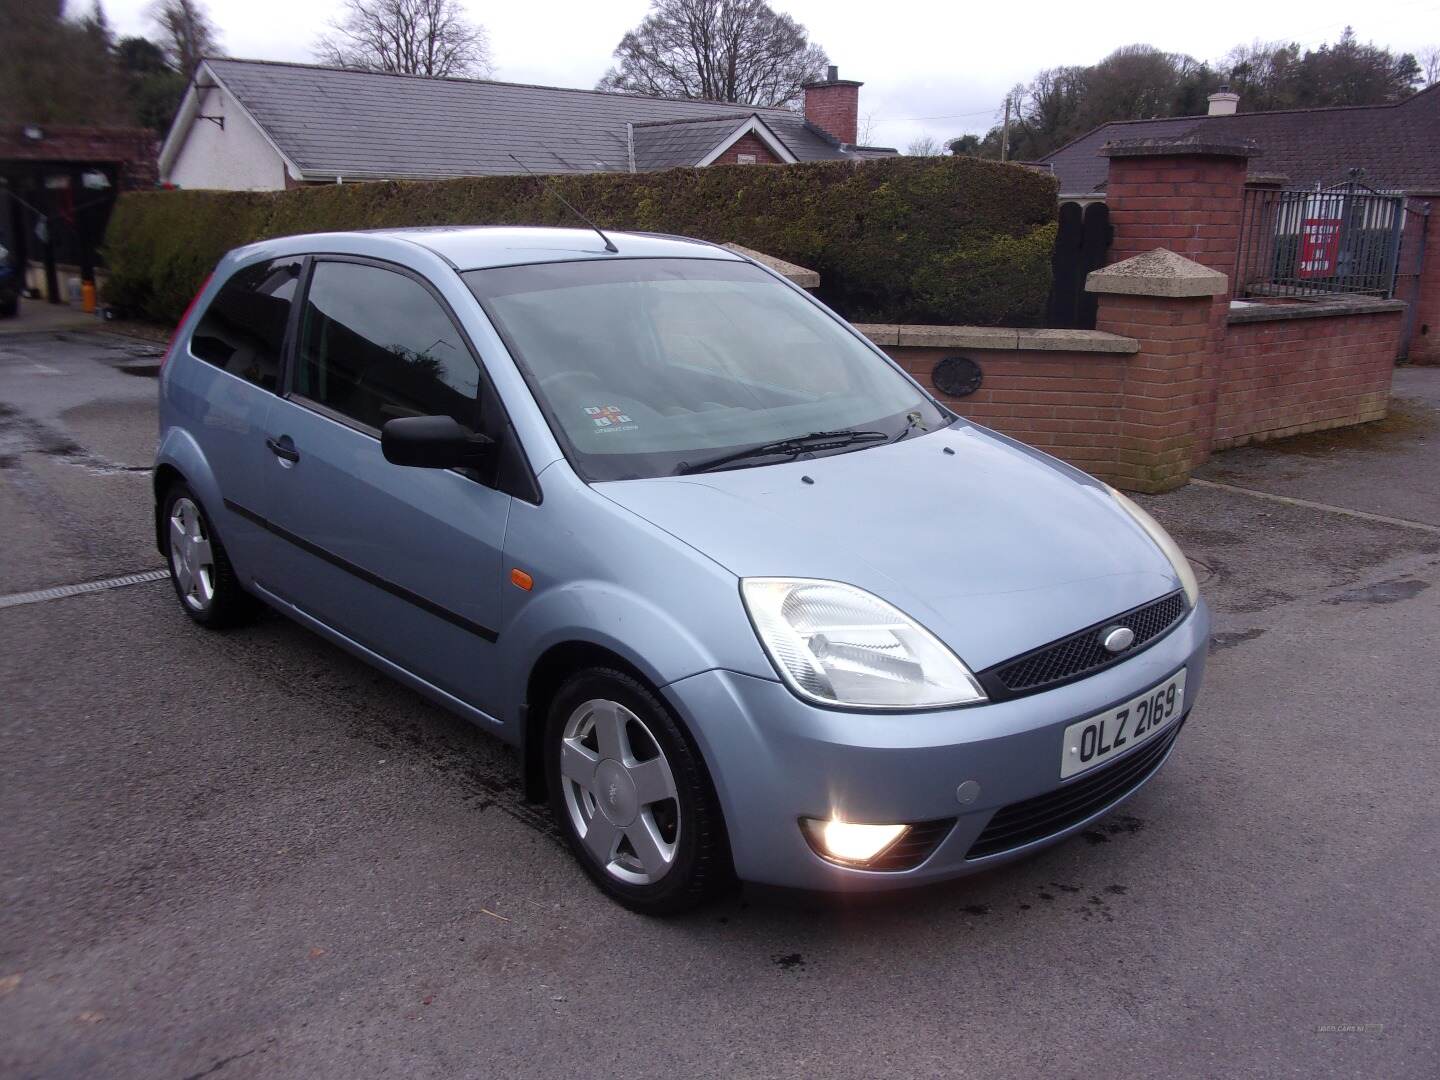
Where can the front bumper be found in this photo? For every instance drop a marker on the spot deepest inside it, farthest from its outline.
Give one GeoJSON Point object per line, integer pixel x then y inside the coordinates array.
{"type": "Point", "coordinates": [776, 759]}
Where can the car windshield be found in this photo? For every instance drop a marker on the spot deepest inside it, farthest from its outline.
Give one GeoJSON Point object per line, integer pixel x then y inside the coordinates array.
{"type": "Point", "coordinates": [650, 367]}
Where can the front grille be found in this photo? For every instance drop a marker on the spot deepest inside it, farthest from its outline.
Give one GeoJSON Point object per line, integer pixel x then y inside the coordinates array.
{"type": "Point", "coordinates": [1044, 815]}
{"type": "Point", "coordinates": [1082, 653]}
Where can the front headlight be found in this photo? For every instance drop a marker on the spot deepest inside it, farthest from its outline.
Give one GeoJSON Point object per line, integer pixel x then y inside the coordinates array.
{"type": "Point", "coordinates": [1162, 539]}
{"type": "Point", "coordinates": [838, 645]}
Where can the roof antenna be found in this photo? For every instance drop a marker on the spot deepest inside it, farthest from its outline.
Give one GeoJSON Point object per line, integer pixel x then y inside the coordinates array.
{"type": "Point", "coordinates": [609, 244]}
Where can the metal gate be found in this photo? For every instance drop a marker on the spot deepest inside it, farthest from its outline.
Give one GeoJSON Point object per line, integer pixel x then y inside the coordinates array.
{"type": "Point", "coordinates": [1341, 239]}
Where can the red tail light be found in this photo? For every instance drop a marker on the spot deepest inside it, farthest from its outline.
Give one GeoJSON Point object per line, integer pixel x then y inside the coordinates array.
{"type": "Point", "coordinates": [175, 336]}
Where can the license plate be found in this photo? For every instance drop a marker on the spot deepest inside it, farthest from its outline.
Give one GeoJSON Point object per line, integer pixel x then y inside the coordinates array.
{"type": "Point", "coordinates": [1106, 735]}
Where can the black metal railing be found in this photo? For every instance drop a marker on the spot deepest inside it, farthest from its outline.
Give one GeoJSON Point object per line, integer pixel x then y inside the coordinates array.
{"type": "Point", "coordinates": [1343, 239]}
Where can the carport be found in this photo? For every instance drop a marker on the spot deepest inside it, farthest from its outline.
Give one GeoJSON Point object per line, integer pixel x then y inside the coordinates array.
{"type": "Point", "coordinates": [57, 187]}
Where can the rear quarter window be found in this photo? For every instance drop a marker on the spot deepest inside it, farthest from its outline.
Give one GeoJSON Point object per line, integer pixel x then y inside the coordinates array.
{"type": "Point", "coordinates": [243, 329]}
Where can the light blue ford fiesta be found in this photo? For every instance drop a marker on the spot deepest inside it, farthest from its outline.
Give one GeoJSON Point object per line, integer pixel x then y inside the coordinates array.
{"type": "Point", "coordinates": [749, 601]}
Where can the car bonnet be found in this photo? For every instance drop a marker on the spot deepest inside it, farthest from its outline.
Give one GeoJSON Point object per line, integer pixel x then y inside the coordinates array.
{"type": "Point", "coordinates": [994, 547]}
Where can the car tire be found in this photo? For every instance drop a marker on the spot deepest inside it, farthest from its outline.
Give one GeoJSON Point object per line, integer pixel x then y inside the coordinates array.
{"type": "Point", "coordinates": [200, 569]}
{"type": "Point", "coordinates": [632, 796]}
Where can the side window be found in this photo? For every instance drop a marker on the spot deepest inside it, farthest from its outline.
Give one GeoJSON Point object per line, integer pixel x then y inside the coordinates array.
{"type": "Point", "coordinates": [243, 329]}
{"type": "Point", "coordinates": [375, 345]}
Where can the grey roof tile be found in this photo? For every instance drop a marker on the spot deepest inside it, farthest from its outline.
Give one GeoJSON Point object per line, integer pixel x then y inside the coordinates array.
{"type": "Point", "coordinates": [366, 125]}
{"type": "Point", "coordinates": [668, 143]}
{"type": "Point", "coordinates": [1397, 145]}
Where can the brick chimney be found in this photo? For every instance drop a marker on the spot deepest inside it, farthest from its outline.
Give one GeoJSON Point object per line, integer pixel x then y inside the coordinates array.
{"type": "Point", "coordinates": [1224, 102]}
{"type": "Point", "coordinates": [834, 104]}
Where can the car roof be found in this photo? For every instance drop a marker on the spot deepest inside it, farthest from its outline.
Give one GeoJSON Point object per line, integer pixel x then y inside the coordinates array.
{"type": "Point", "coordinates": [474, 247]}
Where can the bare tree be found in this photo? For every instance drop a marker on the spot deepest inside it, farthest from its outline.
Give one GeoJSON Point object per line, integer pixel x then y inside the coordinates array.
{"type": "Point", "coordinates": [723, 50]}
{"type": "Point", "coordinates": [866, 135]}
{"type": "Point", "coordinates": [1429, 58]}
{"type": "Point", "coordinates": [409, 37]}
{"type": "Point", "coordinates": [186, 32]}
{"type": "Point", "coordinates": [924, 146]}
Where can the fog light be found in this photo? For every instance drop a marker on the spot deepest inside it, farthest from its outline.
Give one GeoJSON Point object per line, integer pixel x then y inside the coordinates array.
{"type": "Point", "coordinates": [848, 841]}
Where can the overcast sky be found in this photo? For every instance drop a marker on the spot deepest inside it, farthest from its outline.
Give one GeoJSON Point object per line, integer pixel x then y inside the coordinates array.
{"type": "Point", "coordinates": [929, 68]}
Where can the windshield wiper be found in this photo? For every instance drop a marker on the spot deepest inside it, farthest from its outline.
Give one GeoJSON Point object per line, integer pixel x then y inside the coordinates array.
{"type": "Point", "coordinates": [912, 421]}
{"type": "Point", "coordinates": [798, 444]}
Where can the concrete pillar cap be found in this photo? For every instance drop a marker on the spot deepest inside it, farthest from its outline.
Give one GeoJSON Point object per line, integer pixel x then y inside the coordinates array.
{"type": "Point", "coordinates": [1157, 273]}
{"type": "Point", "coordinates": [799, 275]}
{"type": "Point", "coordinates": [1187, 145]}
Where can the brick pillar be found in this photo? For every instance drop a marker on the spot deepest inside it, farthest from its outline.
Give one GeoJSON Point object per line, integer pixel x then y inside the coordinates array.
{"type": "Point", "coordinates": [1188, 197]}
{"type": "Point", "coordinates": [1180, 194]}
{"type": "Point", "coordinates": [1425, 291]}
{"type": "Point", "coordinates": [1168, 304]}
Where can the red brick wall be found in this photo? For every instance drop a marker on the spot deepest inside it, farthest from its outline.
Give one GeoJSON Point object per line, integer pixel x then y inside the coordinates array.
{"type": "Point", "coordinates": [748, 143]}
{"type": "Point", "coordinates": [1285, 376]}
{"type": "Point", "coordinates": [1201, 382]}
{"type": "Point", "coordinates": [1067, 404]}
{"type": "Point", "coordinates": [835, 107]}
{"type": "Point", "coordinates": [1186, 379]}
{"type": "Point", "coordinates": [1143, 419]}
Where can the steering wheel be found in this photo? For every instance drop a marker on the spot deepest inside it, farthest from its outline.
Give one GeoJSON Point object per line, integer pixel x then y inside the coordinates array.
{"type": "Point", "coordinates": [550, 382]}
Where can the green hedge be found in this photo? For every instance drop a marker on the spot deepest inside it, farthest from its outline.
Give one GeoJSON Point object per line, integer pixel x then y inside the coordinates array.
{"type": "Point", "coordinates": [905, 239]}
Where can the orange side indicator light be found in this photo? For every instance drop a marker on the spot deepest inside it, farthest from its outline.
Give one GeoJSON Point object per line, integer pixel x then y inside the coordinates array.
{"type": "Point", "coordinates": [521, 580]}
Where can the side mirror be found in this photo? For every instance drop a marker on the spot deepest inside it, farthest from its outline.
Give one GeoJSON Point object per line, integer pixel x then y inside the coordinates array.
{"type": "Point", "coordinates": [432, 442]}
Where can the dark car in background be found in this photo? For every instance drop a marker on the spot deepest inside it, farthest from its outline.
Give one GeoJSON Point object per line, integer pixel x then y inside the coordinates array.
{"type": "Point", "coordinates": [9, 285]}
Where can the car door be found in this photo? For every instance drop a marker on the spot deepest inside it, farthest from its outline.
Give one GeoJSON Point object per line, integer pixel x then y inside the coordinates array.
{"type": "Point", "coordinates": [403, 561]}
{"type": "Point", "coordinates": [226, 400]}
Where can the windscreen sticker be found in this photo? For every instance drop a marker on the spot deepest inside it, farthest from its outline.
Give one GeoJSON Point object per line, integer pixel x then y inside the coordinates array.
{"type": "Point", "coordinates": [608, 418]}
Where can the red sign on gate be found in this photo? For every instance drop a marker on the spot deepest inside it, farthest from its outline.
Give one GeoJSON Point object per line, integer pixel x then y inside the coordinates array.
{"type": "Point", "coordinates": [1319, 247]}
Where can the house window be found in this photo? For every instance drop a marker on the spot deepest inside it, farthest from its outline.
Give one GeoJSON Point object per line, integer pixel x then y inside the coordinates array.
{"type": "Point", "coordinates": [744, 159]}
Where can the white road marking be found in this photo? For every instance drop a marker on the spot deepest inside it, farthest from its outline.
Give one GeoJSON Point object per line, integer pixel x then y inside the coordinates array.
{"type": "Point", "coordinates": [59, 592]}
{"type": "Point", "coordinates": [1288, 500]}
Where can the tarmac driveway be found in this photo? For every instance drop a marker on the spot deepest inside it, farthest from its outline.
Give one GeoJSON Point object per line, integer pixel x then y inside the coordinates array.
{"type": "Point", "coordinates": [247, 855]}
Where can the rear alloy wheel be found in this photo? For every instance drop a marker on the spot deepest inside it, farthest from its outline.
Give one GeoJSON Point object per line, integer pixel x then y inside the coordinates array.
{"type": "Point", "coordinates": [192, 558]}
{"type": "Point", "coordinates": [632, 796]}
{"type": "Point", "coordinates": [199, 567]}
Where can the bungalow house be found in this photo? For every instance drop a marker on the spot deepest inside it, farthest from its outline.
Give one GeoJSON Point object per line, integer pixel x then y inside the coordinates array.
{"type": "Point", "coordinates": [263, 125]}
{"type": "Point", "coordinates": [1397, 146]}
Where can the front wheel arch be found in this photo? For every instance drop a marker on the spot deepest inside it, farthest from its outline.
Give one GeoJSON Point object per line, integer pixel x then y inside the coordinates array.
{"type": "Point", "coordinates": [554, 666]}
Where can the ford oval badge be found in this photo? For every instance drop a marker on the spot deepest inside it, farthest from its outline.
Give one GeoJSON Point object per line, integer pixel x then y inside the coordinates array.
{"type": "Point", "coordinates": [1118, 638]}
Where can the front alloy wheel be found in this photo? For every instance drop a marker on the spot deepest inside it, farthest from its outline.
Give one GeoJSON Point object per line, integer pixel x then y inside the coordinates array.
{"type": "Point", "coordinates": [631, 794]}
{"type": "Point", "coordinates": [619, 792]}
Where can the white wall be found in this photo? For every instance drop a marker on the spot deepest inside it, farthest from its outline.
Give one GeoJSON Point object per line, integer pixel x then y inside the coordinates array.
{"type": "Point", "coordinates": [237, 158]}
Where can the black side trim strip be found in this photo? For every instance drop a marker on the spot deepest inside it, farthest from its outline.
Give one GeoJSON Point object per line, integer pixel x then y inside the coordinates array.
{"type": "Point", "coordinates": [365, 575]}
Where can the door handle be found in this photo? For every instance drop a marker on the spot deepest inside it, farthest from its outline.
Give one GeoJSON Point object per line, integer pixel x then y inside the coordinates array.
{"type": "Point", "coordinates": [280, 450]}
